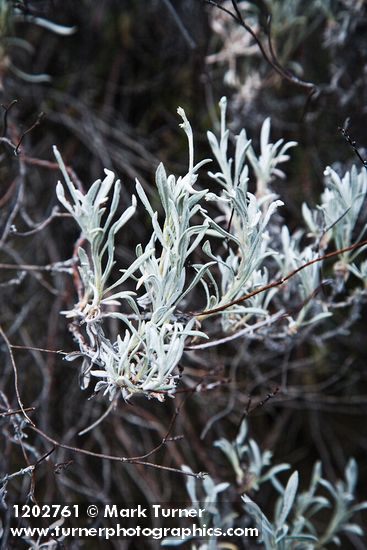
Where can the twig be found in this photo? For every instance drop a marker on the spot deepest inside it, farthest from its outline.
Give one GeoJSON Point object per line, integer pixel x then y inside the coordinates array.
{"type": "Point", "coordinates": [266, 322]}
{"type": "Point", "coordinates": [34, 125]}
{"type": "Point", "coordinates": [7, 109]}
{"type": "Point", "coordinates": [33, 472]}
{"type": "Point", "coordinates": [100, 419]}
{"type": "Point", "coordinates": [247, 330]}
{"type": "Point", "coordinates": [30, 469]}
{"type": "Point", "coordinates": [54, 214]}
{"type": "Point", "coordinates": [170, 427]}
{"type": "Point", "coordinates": [21, 472]}
{"type": "Point", "coordinates": [123, 459]}
{"type": "Point", "coordinates": [16, 411]}
{"type": "Point", "coordinates": [353, 145]}
{"type": "Point", "coordinates": [8, 142]}
{"type": "Point", "coordinates": [263, 401]}
{"type": "Point", "coordinates": [167, 437]}
{"type": "Point", "coordinates": [271, 59]}
{"type": "Point", "coordinates": [40, 349]}
{"type": "Point", "coordinates": [15, 376]}
{"type": "Point", "coordinates": [18, 200]}
{"type": "Point", "coordinates": [258, 405]}
{"type": "Point", "coordinates": [25, 267]}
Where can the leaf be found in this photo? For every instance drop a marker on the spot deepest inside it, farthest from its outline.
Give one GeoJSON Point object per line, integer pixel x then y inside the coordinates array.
{"type": "Point", "coordinates": [175, 542]}
{"type": "Point", "coordinates": [351, 475]}
{"type": "Point", "coordinates": [49, 25]}
{"type": "Point", "coordinates": [255, 511]}
{"type": "Point", "coordinates": [130, 270]}
{"type": "Point", "coordinates": [67, 179]}
{"type": "Point", "coordinates": [242, 433]}
{"type": "Point", "coordinates": [161, 181]}
{"type": "Point", "coordinates": [242, 144]}
{"type": "Point", "coordinates": [353, 528]}
{"type": "Point", "coordinates": [143, 197]}
{"type": "Point", "coordinates": [288, 498]}
{"type": "Point", "coordinates": [274, 471]}
{"type": "Point", "coordinates": [199, 275]}
{"type": "Point", "coordinates": [265, 135]}
{"type": "Point", "coordinates": [61, 196]}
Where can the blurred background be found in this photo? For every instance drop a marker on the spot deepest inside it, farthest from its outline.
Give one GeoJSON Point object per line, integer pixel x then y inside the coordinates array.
{"type": "Point", "coordinates": [108, 77]}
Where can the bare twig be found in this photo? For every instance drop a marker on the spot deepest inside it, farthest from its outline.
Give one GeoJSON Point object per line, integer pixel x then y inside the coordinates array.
{"type": "Point", "coordinates": [34, 125]}
{"type": "Point", "coordinates": [100, 419]}
{"type": "Point", "coordinates": [30, 469]}
{"type": "Point", "coordinates": [6, 112]}
{"type": "Point", "coordinates": [167, 436]}
{"type": "Point", "coordinates": [123, 459]}
{"type": "Point", "coordinates": [353, 145]}
{"type": "Point", "coordinates": [54, 214]}
{"type": "Point", "coordinates": [40, 349]}
{"type": "Point", "coordinates": [15, 377]}
{"type": "Point", "coordinates": [33, 472]}
{"type": "Point", "coordinates": [247, 330]}
{"type": "Point", "coordinates": [269, 57]}
{"type": "Point", "coordinates": [57, 266]}
{"type": "Point", "coordinates": [249, 410]}
{"type": "Point", "coordinates": [17, 411]}
{"type": "Point", "coordinates": [18, 199]}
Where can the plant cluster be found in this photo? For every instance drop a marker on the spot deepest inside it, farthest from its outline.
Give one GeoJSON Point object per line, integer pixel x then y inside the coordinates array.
{"type": "Point", "coordinates": [214, 285]}
{"type": "Point", "coordinates": [247, 245]}
{"type": "Point", "coordinates": [295, 513]}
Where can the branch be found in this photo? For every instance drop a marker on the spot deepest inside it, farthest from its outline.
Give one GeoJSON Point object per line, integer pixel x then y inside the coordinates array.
{"type": "Point", "coordinates": [247, 330]}
{"type": "Point", "coordinates": [123, 459]}
{"type": "Point", "coordinates": [271, 59]}
{"type": "Point", "coordinates": [15, 377]}
{"type": "Point", "coordinates": [41, 349]}
{"type": "Point", "coordinates": [54, 214]}
{"type": "Point", "coordinates": [353, 145]}
{"type": "Point", "coordinates": [6, 112]}
{"type": "Point", "coordinates": [280, 281]}
{"type": "Point", "coordinates": [16, 411]}
{"type": "Point", "coordinates": [34, 125]}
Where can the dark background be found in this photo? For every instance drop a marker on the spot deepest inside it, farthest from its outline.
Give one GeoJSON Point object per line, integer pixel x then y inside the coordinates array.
{"type": "Point", "coordinates": [111, 102]}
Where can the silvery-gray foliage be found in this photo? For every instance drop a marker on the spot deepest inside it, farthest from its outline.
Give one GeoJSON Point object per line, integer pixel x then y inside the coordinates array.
{"type": "Point", "coordinates": [295, 519]}
{"type": "Point", "coordinates": [295, 522]}
{"type": "Point", "coordinates": [245, 245]}
{"type": "Point", "coordinates": [246, 451]}
{"type": "Point", "coordinates": [207, 498]}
